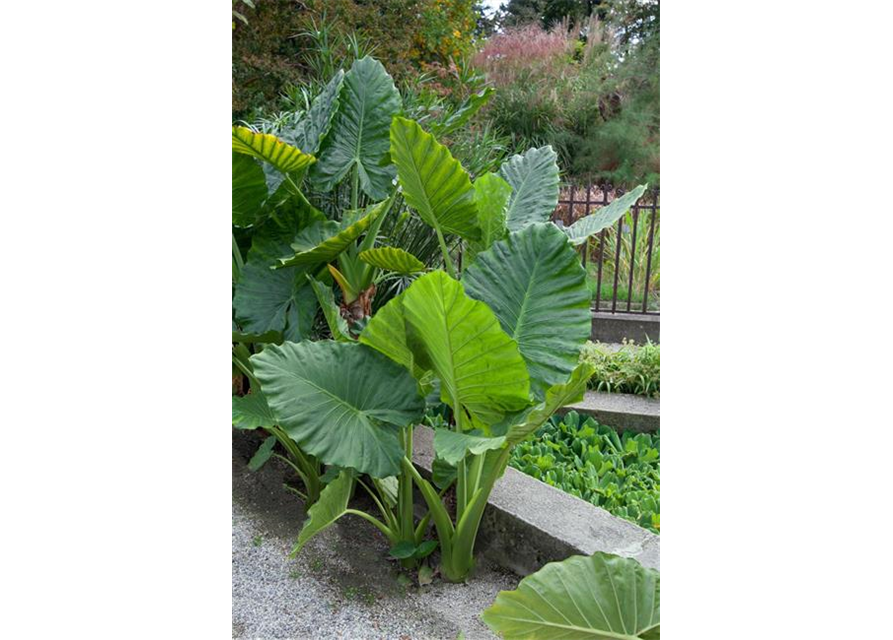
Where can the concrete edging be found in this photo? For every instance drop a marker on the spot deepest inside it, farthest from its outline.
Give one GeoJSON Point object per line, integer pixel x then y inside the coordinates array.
{"type": "Point", "coordinates": [620, 410]}
{"type": "Point", "coordinates": [617, 327]}
{"type": "Point", "coordinates": [528, 523]}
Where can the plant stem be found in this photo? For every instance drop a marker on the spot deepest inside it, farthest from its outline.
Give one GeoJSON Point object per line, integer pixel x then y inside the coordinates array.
{"type": "Point", "coordinates": [405, 491]}
{"type": "Point", "coordinates": [238, 263]}
{"type": "Point", "coordinates": [447, 261]}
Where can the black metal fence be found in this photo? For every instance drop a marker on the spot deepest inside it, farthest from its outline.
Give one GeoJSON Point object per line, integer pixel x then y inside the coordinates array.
{"type": "Point", "coordinates": [623, 261]}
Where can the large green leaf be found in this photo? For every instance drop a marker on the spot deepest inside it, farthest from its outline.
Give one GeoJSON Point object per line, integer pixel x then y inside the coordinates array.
{"type": "Point", "coordinates": [269, 148]}
{"type": "Point", "coordinates": [557, 396]}
{"type": "Point", "coordinates": [601, 597]}
{"type": "Point", "coordinates": [534, 283]}
{"type": "Point", "coordinates": [392, 259]}
{"type": "Point", "coordinates": [434, 183]}
{"type": "Point", "coordinates": [331, 239]}
{"type": "Point", "coordinates": [478, 364]}
{"type": "Point", "coordinates": [386, 332]}
{"type": "Point", "coordinates": [491, 195]}
{"type": "Point", "coordinates": [452, 447]}
{"type": "Point", "coordinates": [252, 411]}
{"type": "Point", "coordinates": [273, 300]}
{"type": "Point", "coordinates": [359, 132]}
{"type": "Point", "coordinates": [249, 190]}
{"type": "Point", "coordinates": [319, 119]}
{"type": "Point", "coordinates": [604, 217]}
{"type": "Point", "coordinates": [341, 402]}
{"type": "Point", "coordinates": [332, 504]}
{"type": "Point", "coordinates": [534, 181]}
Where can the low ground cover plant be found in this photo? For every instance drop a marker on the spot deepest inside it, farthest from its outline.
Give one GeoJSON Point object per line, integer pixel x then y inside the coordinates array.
{"type": "Point", "coordinates": [631, 369]}
{"type": "Point", "coordinates": [618, 472]}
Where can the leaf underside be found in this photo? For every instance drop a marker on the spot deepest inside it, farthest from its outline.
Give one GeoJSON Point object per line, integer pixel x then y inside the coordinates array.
{"type": "Point", "coordinates": [534, 181]}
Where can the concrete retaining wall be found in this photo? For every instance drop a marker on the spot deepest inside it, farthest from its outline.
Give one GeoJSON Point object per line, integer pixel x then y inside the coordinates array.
{"type": "Point", "coordinates": [527, 523]}
{"type": "Point", "coordinates": [617, 327]}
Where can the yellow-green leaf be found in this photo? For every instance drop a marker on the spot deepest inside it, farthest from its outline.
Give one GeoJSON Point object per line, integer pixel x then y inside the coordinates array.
{"type": "Point", "coordinates": [434, 183]}
{"type": "Point", "coordinates": [268, 147]}
{"type": "Point", "coordinates": [393, 259]}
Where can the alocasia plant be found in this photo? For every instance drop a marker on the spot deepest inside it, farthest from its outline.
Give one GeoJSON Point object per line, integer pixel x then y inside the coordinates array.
{"type": "Point", "coordinates": [434, 326]}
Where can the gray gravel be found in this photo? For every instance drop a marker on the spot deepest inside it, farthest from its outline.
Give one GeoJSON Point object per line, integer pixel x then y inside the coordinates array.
{"type": "Point", "coordinates": [342, 585]}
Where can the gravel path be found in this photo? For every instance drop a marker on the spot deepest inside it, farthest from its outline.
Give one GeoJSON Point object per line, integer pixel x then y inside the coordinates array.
{"type": "Point", "coordinates": [342, 585]}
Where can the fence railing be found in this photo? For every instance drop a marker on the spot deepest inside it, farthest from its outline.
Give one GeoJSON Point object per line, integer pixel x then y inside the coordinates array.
{"type": "Point", "coordinates": [622, 262]}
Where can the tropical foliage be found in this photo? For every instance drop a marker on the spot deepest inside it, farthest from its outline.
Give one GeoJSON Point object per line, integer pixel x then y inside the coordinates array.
{"type": "Point", "coordinates": [349, 195]}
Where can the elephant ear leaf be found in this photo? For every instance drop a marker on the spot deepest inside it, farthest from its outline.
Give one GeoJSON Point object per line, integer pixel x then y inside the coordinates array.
{"type": "Point", "coordinates": [433, 182]}
{"type": "Point", "coordinates": [273, 300]}
{"type": "Point", "coordinates": [452, 447]}
{"type": "Point", "coordinates": [599, 597]}
{"type": "Point", "coordinates": [478, 364]}
{"type": "Point", "coordinates": [324, 242]}
{"type": "Point", "coordinates": [342, 402]}
{"type": "Point", "coordinates": [533, 282]}
{"type": "Point", "coordinates": [359, 132]}
{"type": "Point", "coordinates": [332, 504]}
{"type": "Point", "coordinates": [392, 259]}
{"type": "Point", "coordinates": [252, 411]}
{"type": "Point", "coordinates": [557, 396]}
{"type": "Point", "coordinates": [604, 217]}
{"type": "Point", "coordinates": [263, 146]}
{"type": "Point", "coordinates": [319, 118]}
{"type": "Point", "coordinates": [249, 190]}
{"type": "Point", "coordinates": [491, 194]}
{"type": "Point", "coordinates": [534, 181]}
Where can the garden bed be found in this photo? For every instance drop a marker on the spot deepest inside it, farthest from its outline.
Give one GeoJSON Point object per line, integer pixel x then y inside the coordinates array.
{"type": "Point", "coordinates": [342, 585]}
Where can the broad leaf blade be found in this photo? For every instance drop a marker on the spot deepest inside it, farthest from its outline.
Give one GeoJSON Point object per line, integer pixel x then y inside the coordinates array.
{"type": "Point", "coordinates": [557, 396]}
{"type": "Point", "coordinates": [434, 183]}
{"type": "Point", "coordinates": [491, 195]}
{"type": "Point", "coordinates": [604, 217]}
{"type": "Point", "coordinates": [534, 181]}
{"type": "Point", "coordinates": [452, 447]}
{"type": "Point", "coordinates": [330, 246]}
{"type": "Point", "coordinates": [269, 148]}
{"type": "Point", "coordinates": [386, 332]}
{"type": "Point", "coordinates": [331, 505]}
{"type": "Point", "coordinates": [341, 402]}
{"type": "Point", "coordinates": [249, 190]}
{"type": "Point", "coordinates": [393, 259]}
{"type": "Point", "coordinates": [479, 365]}
{"type": "Point", "coordinates": [252, 411]}
{"type": "Point", "coordinates": [534, 283]}
{"type": "Point", "coordinates": [273, 300]}
{"type": "Point", "coordinates": [601, 597]}
{"type": "Point", "coordinates": [359, 132]}
{"type": "Point", "coordinates": [319, 118]}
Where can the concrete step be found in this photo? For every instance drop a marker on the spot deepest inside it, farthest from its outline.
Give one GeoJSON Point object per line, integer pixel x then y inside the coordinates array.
{"type": "Point", "coordinates": [620, 410]}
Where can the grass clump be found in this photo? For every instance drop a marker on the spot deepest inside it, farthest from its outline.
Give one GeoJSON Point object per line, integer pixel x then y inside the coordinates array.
{"type": "Point", "coordinates": [632, 369]}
